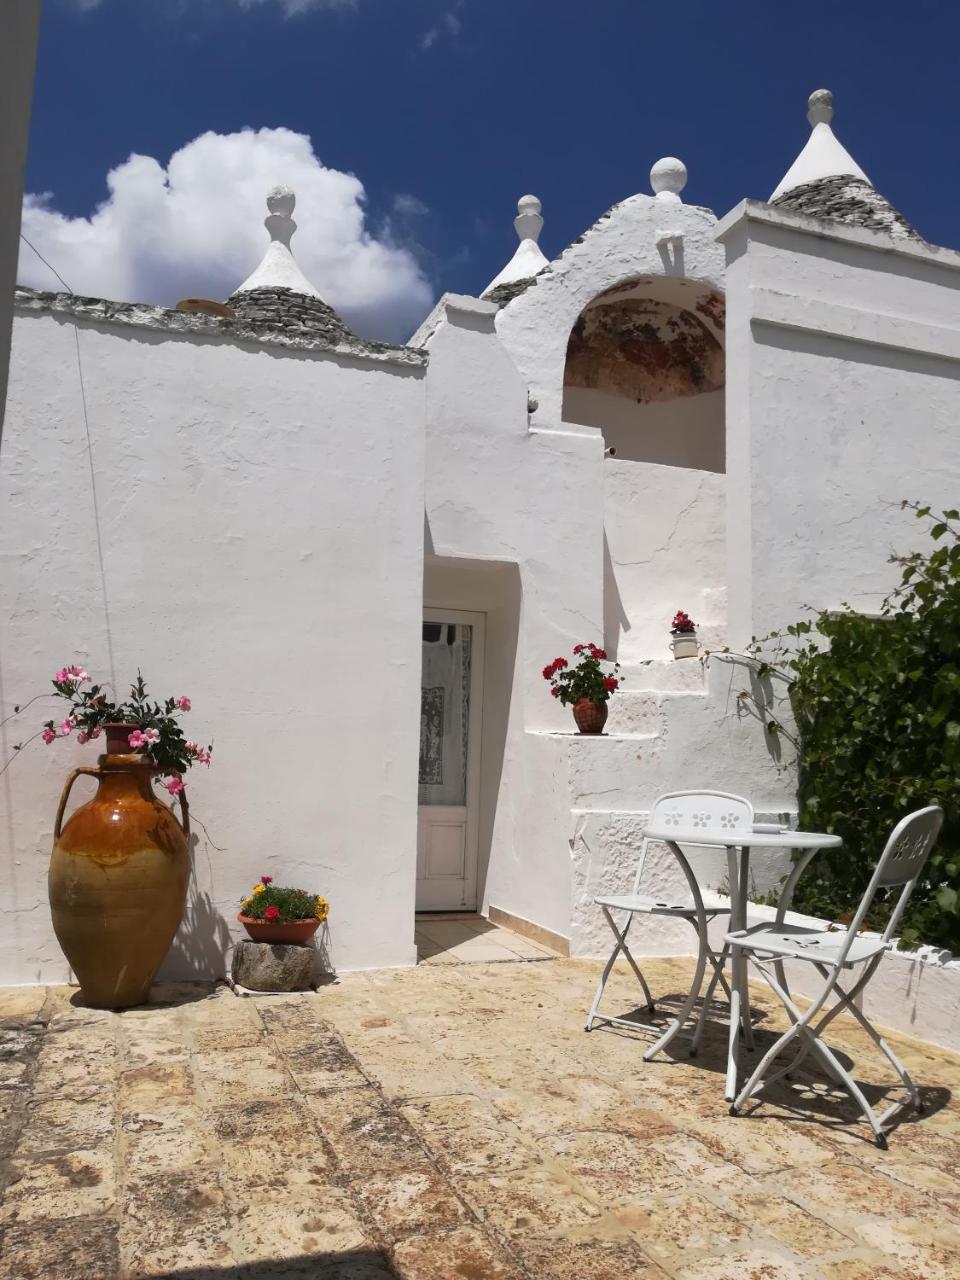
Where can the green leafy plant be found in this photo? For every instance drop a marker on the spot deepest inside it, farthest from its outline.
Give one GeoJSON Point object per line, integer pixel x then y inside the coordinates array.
{"type": "Point", "coordinates": [585, 679]}
{"type": "Point", "coordinates": [876, 705]}
{"type": "Point", "coordinates": [155, 729]}
{"type": "Point", "coordinates": [276, 904]}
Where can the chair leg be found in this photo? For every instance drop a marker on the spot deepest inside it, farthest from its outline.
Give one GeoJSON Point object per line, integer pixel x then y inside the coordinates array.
{"type": "Point", "coordinates": [891, 1057]}
{"type": "Point", "coordinates": [801, 1026]}
{"type": "Point", "coordinates": [708, 997]}
{"type": "Point", "coordinates": [621, 945]}
{"type": "Point", "coordinates": [685, 1010]}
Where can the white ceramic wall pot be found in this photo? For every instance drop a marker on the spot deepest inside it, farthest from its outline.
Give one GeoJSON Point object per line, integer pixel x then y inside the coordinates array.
{"type": "Point", "coordinates": [685, 644]}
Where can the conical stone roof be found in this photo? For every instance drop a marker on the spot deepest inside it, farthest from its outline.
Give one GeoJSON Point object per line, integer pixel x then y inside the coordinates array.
{"type": "Point", "coordinates": [277, 295]}
{"type": "Point", "coordinates": [844, 198]}
{"type": "Point", "coordinates": [826, 182]}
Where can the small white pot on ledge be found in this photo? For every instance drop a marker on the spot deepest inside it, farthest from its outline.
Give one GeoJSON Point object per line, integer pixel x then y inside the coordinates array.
{"type": "Point", "coordinates": [685, 644]}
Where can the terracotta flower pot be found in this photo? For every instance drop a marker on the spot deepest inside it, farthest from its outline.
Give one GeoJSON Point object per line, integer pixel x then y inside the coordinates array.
{"type": "Point", "coordinates": [296, 931]}
{"type": "Point", "coordinates": [117, 739]}
{"type": "Point", "coordinates": [118, 878]}
{"type": "Point", "coordinates": [590, 716]}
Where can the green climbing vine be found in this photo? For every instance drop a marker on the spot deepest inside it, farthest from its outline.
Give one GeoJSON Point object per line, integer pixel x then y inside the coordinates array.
{"type": "Point", "coordinates": [875, 703]}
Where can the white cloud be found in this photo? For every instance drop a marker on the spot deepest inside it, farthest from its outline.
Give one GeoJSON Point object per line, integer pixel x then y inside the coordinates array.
{"type": "Point", "coordinates": [449, 25]}
{"type": "Point", "coordinates": [408, 205]}
{"type": "Point", "coordinates": [195, 229]}
{"type": "Point", "coordinates": [293, 7]}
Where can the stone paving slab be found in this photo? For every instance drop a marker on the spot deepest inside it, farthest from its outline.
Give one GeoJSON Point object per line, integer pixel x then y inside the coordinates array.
{"type": "Point", "coordinates": [449, 1122]}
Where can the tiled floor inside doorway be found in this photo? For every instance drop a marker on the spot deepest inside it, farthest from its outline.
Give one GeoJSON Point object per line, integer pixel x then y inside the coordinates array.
{"type": "Point", "coordinates": [461, 938]}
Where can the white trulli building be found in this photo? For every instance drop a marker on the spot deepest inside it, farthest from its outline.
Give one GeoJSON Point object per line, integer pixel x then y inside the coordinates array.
{"type": "Point", "coordinates": [357, 558]}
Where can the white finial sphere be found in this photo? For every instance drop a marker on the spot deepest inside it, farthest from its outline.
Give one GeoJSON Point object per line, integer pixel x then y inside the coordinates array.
{"type": "Point", "coordinates": [529, 204]}
{"type": "Point", "coordinates": [281, 200]}
{"type": "Point", "coordinates": [668, 177]}
{"type": "Point", "coordinates": [820, 107]}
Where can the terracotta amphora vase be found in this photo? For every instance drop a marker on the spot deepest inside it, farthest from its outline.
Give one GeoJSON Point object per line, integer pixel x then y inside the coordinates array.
{"type": "Point", "coordinates": [118, 878]}
{"type": "Point", "coordinates": [590, 716]}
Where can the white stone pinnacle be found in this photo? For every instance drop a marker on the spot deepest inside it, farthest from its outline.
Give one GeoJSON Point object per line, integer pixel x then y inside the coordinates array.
{"type": "Point", "coordinates": [278, 268]}
{"type": "Point", "coordinates": [668, 177]}
{"type": "Point", "coordinates": [529, 258]}
{"type": "Point", "coordinates": [820, 107]}
{"type": "Point", "coordinates": [824, 156]}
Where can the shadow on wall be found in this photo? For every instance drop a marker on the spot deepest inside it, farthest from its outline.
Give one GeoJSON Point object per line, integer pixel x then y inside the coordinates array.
{"type": "Point", "coordinates": [199, 950]}
{"type": "Point", "coordinates": [615, 619]}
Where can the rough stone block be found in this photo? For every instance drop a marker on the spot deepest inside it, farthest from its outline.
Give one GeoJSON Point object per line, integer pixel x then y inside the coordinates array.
{"type": "Point", "coordinates": [269, 966]}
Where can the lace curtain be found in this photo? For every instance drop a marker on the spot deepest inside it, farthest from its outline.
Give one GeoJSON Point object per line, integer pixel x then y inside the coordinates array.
{"type": "Point", "coordinates": [444, 713]}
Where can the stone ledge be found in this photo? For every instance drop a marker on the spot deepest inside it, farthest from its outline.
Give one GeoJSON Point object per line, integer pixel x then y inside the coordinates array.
{"type": "Point", "coordinates": [198, 324]}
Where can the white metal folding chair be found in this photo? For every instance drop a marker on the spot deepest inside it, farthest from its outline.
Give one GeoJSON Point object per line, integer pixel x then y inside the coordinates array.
{"type": "Point", "coordinates": [831, 952]}
{"type": "Point", "coordinates": [685, 810]}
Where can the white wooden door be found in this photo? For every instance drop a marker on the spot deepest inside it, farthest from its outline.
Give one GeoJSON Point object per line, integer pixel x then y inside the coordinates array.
{"type": "Point", "coordinates": [451, 696]}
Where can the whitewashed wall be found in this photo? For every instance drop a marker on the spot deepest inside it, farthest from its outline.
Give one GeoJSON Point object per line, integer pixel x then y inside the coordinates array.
{"type": "Point", "coordinates": [663, 493]}
{"type": "Point", "coordinates": [499, 492]}
{"type": "Point", "coordinates": [261, 517]}
{"type": "Point", "coordinates": [843, 397]}
{"type": "Point", "coordinates": [515, 520]}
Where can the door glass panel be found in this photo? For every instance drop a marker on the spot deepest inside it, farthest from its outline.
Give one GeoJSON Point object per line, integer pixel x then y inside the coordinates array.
{"type": "Point", "coordinates": [444, 713]}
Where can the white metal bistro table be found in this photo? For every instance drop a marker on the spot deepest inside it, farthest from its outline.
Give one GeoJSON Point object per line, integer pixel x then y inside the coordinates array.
{"type": "Point", "coordinates": [733, 840]}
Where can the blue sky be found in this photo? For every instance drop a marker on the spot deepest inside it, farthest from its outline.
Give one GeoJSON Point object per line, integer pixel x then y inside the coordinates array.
{"type": "Point", "coordinates": [448, 110]}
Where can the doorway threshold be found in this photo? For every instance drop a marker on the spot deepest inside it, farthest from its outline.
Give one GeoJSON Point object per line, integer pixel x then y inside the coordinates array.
{"type": "Point", "coordinates": [451, 937]}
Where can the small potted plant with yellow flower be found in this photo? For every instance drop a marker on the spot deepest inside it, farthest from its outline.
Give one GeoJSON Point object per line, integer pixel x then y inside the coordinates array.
{"type": "Point", "coordinates": [271, 913]}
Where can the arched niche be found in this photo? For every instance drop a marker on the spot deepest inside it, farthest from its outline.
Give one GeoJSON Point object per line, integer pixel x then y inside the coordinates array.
{"type": "Point", "coordinates": [645, 364]}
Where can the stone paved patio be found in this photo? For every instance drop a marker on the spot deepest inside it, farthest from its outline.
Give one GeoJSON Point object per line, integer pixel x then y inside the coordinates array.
{"type": "Point", "coordinates": [439, 1123]}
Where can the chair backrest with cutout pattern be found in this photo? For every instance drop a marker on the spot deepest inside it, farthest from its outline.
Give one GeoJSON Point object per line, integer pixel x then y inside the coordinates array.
{"type": "Point", "coordinates": [693, 810]}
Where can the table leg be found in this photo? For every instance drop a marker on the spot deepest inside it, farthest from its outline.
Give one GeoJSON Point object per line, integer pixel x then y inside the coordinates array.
{"type": "Point", "coordinates": [735, 970]}
{"type": "Point", "coordinates": [745, 1018]}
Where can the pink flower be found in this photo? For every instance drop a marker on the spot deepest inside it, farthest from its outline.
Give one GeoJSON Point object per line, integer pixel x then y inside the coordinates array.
{"type": "Point", "coordinates": [95, 733]}
{"type": "Point", "coordinates": [71, 675]}
{"type": "Point", "coordinates": [175, 785]}
{"type": "Point", "coordinates": [66, 727]}
{"type": "Point", "coordinates": [49, 735]}
{"type": "Point", "coordinates": [136, 739]}
{"type": "Point", "coordinates": [266, 879]}
{"type": "Point", "coordinates": [83, 737]}
{"type": "Point", "coordinates": [183, 704]}
{"type": "Point", "coordinates": [151, 735]}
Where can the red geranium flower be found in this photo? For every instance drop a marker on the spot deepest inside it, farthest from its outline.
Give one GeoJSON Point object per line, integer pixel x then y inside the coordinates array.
{"type": "Point", "coordinates": [555, 691]}
{"type": "Point", "coordinates": [579, 648]}
{"type": "Point", "coordinates": [559, 664]}
{"type": "Point", "coordinates": [610, 683]}
{"type": "Point", "coordinates": [271, 913]}
{"type": "Point", "coordinates": [548, 672]}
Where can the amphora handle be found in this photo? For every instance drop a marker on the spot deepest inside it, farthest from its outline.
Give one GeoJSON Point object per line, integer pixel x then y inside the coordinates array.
{"type": "Point", "coordinates": [94, 773]}
{"type": "Point", "coordinates": [185, 813]}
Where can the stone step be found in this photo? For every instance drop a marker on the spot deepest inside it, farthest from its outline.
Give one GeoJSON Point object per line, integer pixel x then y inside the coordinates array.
{"type": "Point", "coordinates": [682, 675]}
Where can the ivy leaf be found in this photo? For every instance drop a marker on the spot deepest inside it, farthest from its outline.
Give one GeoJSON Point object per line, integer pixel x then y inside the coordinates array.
{"type": "Point", "coordinates": [947, 898]}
